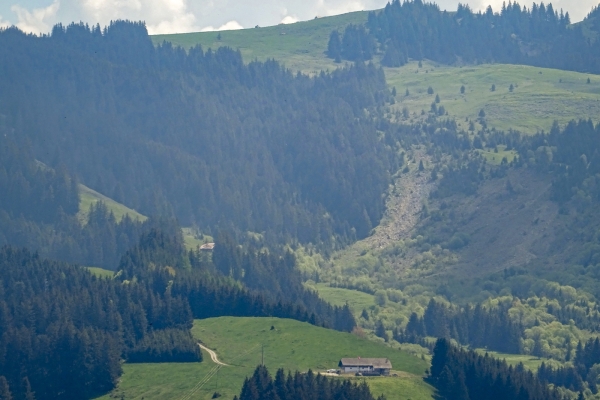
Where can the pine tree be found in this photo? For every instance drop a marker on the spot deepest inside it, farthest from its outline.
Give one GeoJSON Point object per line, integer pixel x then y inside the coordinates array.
{"type": "Point", "coordinates": [334, 46]}
{"type": "Point", "coordinates": [4, 389]}
{"type": "Point", "coordinates": [28, 393]}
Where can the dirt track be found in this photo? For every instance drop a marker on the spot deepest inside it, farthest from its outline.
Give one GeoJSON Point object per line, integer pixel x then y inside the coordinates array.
{"type": "Point", "coordinates": [213, 355]}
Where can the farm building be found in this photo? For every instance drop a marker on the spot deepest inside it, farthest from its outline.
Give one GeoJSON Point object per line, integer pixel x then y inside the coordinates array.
{"type": "Point", "coordinates": [207, 247]}
{"type": "Point", "coordinates": [367, 366]}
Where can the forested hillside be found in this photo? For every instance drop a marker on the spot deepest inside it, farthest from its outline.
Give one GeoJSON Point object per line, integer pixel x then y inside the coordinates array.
{"type": "Point", "coordinates": [39, 206]}
{"type": "Point", "coordinates": [199, 135]}
{"type": "Point", "coordinates": [64, 332]}
{"type": "Point", "coordinates": [539, 35]}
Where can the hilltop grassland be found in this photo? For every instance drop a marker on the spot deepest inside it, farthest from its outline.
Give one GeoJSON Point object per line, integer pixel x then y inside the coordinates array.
{"type": "Point", "coordinates": [288, 344]}
{"type": "Point", "coordinates": [539, 96]}
{"type": "Point", "coordinates": [300, 46]}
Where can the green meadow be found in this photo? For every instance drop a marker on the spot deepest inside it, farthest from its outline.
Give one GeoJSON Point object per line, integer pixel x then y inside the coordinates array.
{"type": "Point", "coordinates": [101, 272]}
{"type": "Point", "coordinates": [340, 296]}
{"type": "Point", "coordinates": [288, 344]}
{"type": "Point", "coordinates": [539, 95]}
{"type": "Point", "coordinates": [300, 46]}
{"type": "Point", "coordinates": [528, 361]}
{"type": "Point", "coordinates": [89, 196]}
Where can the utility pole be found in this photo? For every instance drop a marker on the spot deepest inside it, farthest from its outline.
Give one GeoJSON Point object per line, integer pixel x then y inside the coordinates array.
{"type": "Point", "coordinates": [262, 356]}
{"type": "Point", "coordinates": [217, 387]}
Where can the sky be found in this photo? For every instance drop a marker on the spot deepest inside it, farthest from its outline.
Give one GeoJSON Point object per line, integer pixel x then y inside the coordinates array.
{"type": "Point", "coordinates": [178, 16]}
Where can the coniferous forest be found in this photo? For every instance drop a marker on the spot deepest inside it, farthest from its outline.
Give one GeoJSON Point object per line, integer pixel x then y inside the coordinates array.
{"type": "Point", "coordinates": [301, 386]}
{"type": "Point", "coordinates": [198, 136]}
{"type": "Point", "coordinates": [273, 164]}
{"type": "Point", "coordinates": [539, 35]}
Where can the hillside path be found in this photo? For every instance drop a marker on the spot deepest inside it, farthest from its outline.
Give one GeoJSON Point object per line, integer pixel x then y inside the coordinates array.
{"type": "Point", "coordinates": [213, 355]}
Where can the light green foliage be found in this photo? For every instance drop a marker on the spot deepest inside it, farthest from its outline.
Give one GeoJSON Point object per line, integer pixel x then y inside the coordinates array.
{"type": "Point", "coordinates": [308, 261]}
{"type": "Point", "coordinates": [553, 336]}
{"type": "Point", "coordinates": [88, 197]}
{"type": "Point", "coordinates": [291, 345]}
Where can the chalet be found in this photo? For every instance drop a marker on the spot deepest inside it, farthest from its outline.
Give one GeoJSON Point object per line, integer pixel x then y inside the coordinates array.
{"type": "Point", "coordinates": [207, 247]}
{"type": "Point", "coordinates": [366, 366]}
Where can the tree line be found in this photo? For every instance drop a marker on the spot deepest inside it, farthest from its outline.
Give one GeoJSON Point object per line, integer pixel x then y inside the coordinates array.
{"type": "Point", "coordinates": [55, 349]}
{"type": "Point", "coordinates": [51, 349]}
{"type": "Point", "coordinates": [473, 326]}
{"type": "Point", "coordinates": [301, 386]}
{"type": "Point", "coordinates": [582, 375]}
{"type": "Point", "coordinates": [540, 36]}
{"type": "Point", "coordinates": [461, 375]}
{"type": "Point", "coordinates": [39, 210]}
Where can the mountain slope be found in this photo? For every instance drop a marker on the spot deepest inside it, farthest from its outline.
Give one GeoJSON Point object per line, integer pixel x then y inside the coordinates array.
{"type": "Point", "coordinates": [540, 95]}
{"type": "Point", "coordinates": [201, 136]}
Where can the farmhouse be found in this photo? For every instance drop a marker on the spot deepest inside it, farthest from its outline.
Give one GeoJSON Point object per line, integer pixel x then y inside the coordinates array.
{"type": "Point", "coordinates": [207, 247]}
{"type": "Point", "coordinates": [367, 366]}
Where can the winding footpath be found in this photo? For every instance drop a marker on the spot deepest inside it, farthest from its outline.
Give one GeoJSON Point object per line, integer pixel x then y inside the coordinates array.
{"type": "Point", "coordinates": [213, 355]}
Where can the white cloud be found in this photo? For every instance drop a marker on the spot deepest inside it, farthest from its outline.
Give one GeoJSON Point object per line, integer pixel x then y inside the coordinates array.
{"type": "Point", "coordinates": [170, 16]}
{"type": "Point", "coordinates": [161, 16]}
{"type": "Point", "coordinates": [39, 20]}
{"type": "Point", "coordinates": [578, 9]}
{"type": "Point", "coordinates": [4, 23]}
{"type": "Point", "coordinates": [229, 26]}
{"type": "Point", "coordinates": [289, 20]}
{"type": "Point", "coordinates": [334, 7]}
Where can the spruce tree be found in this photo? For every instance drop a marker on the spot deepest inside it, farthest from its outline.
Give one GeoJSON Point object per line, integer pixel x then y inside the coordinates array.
{"type": "Point", "coordinates": [4, 389]}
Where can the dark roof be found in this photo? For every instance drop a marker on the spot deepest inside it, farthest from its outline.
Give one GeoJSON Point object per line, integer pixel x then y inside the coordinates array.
{"type": "Point", "coordinates": [383, 363]}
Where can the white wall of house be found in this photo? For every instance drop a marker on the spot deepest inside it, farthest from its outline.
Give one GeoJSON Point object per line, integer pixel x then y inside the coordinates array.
{"type": "Point", "coordinates": [357, 369]}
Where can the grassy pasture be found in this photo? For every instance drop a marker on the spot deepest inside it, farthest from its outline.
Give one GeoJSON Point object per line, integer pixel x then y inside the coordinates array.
{"type": "Point", "coordinates": [292, 345]}
{"type": "Point", "coordinates": [495, 158]}
{"type": "Point", "coordinates": [300, 46]}
{"type": "Point", "coordinates": [89, 196]}
{"type": "Point", "coordinates": [101, 272]}
{"type": "Point", "coordinates": [539, 97]}
{"type": "Point", "coordinates": [340, 296]}
{"type": "Point", "coordinates": [528, 361]}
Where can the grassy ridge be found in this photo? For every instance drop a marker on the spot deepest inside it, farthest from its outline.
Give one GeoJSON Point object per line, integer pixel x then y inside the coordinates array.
{"type": "Point", "coordinates": [540, 95]}
{"type": "Point", "coordinates": [299, 46]}
{"type": "Point", "coordinates": [292, 345]}
{"type": "Point", "coordinates": [89, 196]}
